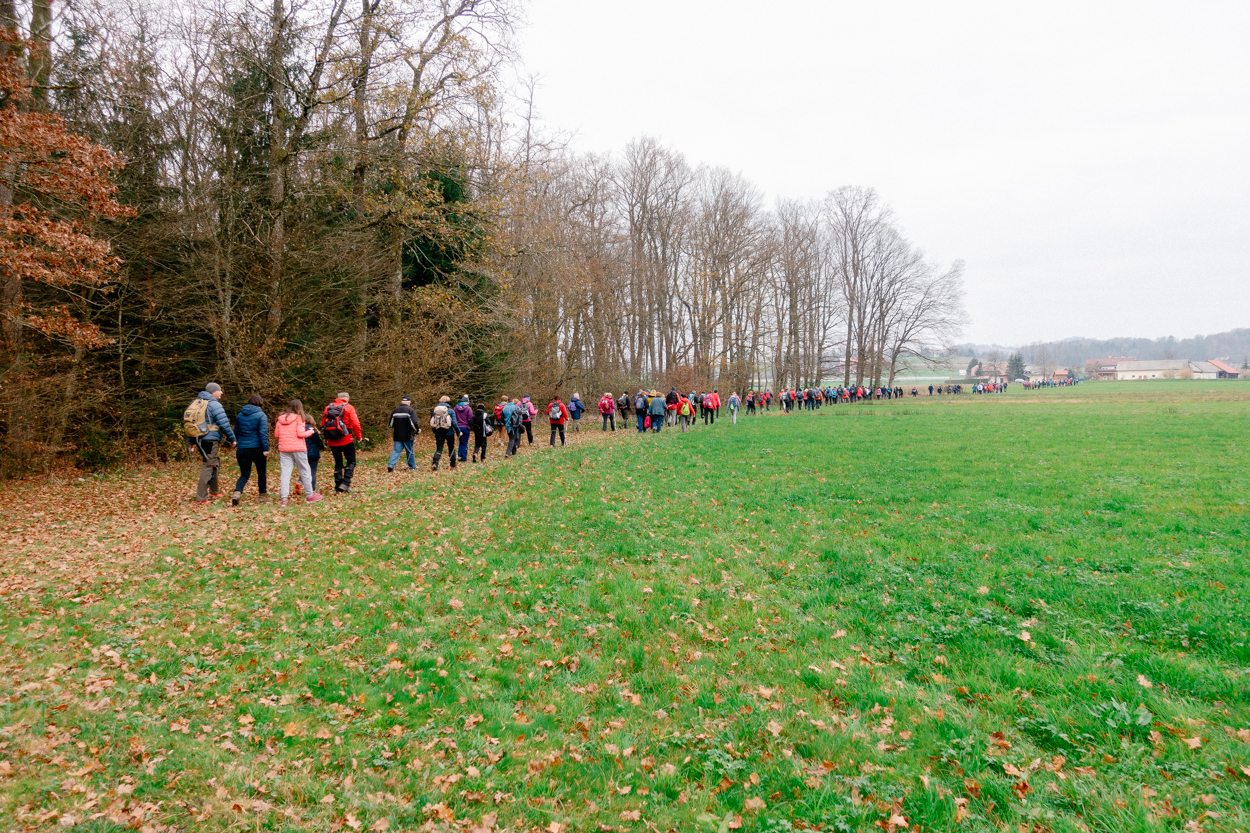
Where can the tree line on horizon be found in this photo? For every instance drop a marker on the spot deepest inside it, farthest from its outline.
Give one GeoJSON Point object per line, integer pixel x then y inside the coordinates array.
{"type": "Point", "coordinates": [1073, 352]}
{"type": "Point", "coordinates": [303, 196]}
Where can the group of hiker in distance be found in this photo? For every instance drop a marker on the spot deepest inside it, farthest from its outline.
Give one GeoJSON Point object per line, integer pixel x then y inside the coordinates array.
{"type": "Point", "coordinates": [301, 437]}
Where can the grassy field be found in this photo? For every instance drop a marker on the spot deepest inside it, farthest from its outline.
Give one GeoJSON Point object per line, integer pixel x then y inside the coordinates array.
{"type": "Point", "coordinates": [1022, 612]}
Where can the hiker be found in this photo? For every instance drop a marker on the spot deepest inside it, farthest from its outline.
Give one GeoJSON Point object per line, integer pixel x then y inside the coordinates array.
{"type": "Point", "coordinates": [314, 445]}
{"type": "Point", "coordinates": [576, 408]}
{"type": "Point", "coordinates": [640, 409]}
{"type": "Point", "coordinates": [622, 408]}
{"type": "Point", "coordinates": [607, 410]}
{"type": "Point", "coordinates": [404, 431]}
{"type": "Point", "coordinates": [251, 446]}
{"type": "Point", "coordinates": [464, 415]}
{"type": "Point", "coordinates": [527, 421]}
{"type": "Point", "coordinates": [291, 431]}
{"type": "Point", "coordinates": [514, 419]}
{"type": "Point", "coordinates": [557, 415]}
{"type": "Point", "coordinates": [658, 411]}
{"type": "Point", "coordinates": [734, 404]}
{"type": "Point", "coordinates": [685, 413]}
{"type": "Point", "coordinates": [341, 428]}
{"type": "Point", "coordinates": [203, 422]}
{"type": "Point", "coordinates": [481, 430]}
{"type": "Point", "coordinates": [443, 421]}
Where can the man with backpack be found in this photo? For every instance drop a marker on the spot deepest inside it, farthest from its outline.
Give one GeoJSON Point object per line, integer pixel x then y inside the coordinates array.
{"type": "Point", "coordinates": [622, 408]}
{"type": "Point", "coordinates": [341, 428]}
{"type": "Point", "coordinates": [514, 421]}
{"type": "Point", "coordinates": [443, 421]}
{"type": "Point", "coordinates": [202, 422]}
{"type": "Point", "coordinates": [685, 412]}
{"type": "Point", "coordinates": [640, 410]}
{"type": "Point", "coordinates": [557, 415]}
{"type": "Point", "coordinates": [404, 431]}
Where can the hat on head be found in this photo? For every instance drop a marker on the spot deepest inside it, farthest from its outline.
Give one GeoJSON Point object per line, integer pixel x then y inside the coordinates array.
{"type": "Point", "coordinates": [405, 399]}
{"type": "Point", "coordinates": [212, 387]}
{"type": "Point", "coordinates": [342, 395]}
{"type": "Point", "coordinates": [444, 399]}
{"type": "Point", "coordinates": [464, 397]}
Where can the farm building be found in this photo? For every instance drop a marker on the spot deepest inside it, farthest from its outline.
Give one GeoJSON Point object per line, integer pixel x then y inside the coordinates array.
{"type": "Point", "coordinates": [1173, 369]}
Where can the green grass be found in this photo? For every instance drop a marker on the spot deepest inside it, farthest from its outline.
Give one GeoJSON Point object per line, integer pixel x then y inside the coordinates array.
{"type": "Point", "coordinates": [1023, 611]}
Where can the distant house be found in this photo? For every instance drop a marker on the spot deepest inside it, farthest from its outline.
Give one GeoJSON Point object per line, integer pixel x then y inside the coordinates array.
{"type": "Point", "coordinates": [1061, 374]}
{"type": "Point", "coordinates": [993, 373]}
{"type": "Point", "coordinates": [1104, 369]}
{"type": "Point", "coordinates": [1173, 369]}
{"type": "Point", "coordinates": [1225, 371]}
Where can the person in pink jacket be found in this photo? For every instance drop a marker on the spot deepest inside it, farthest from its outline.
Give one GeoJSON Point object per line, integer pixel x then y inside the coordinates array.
{"type": "Point", "coordinates": [290, 432]}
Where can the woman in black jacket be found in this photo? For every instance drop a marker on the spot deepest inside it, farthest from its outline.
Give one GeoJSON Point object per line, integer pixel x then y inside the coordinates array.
{"type": "Point", "coordinates": [479, 426]}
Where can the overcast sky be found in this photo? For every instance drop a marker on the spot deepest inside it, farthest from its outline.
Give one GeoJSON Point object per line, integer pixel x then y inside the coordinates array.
{"type": "Point", "coordinates": [1090, 161]}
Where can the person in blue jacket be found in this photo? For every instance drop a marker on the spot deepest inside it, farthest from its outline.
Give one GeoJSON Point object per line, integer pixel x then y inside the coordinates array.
{"type": "Point", "coordinates": [576, 409]}
{"type": "Point", "coordinates": [209, 444]}
{"type": "Point", "coordinates": [251, 447]}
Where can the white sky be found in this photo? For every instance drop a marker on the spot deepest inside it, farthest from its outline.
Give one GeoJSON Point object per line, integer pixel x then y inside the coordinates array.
{"type": "Point", "coordinates": [1089, 160]}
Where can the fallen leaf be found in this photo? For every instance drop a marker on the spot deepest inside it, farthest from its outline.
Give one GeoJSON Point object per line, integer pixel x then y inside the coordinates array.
{"type": "Point", "coordinates": [1143, 682]}
{"type": "Point", "coordinates": [753, 804]}
{"type": "Point", "coordinates": [631, 815]}
{"type": "Point", "coordinates": [1194, 742]}
{"type": "Point", "coordinates": [774, 728]}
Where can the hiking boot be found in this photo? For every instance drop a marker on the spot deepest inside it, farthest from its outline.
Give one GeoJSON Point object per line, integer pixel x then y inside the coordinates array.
{"type": "Point", "coordinates": [285, 501]}
{"type": "Point", "coordinates": [390, 469]}
{"type": "Point", "coordinates": [313, 498]}
{"type": "Point", "coordinates": [234, 498]}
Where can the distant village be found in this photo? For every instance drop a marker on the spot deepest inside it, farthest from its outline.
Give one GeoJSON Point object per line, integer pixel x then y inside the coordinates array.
{"type": "Point", "coordinates": [1114, 369]}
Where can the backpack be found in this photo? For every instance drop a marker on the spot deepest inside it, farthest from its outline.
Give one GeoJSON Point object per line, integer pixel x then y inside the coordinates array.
{"type": "Point", "coordinates": [684, 409]}
{"type": "Point", "coordinates": [195, 419]}
{"type": "Point", "coordinates": [554, 411]}
{"type": "Point", "coordinates": [441, 418]}
{"type": "Point", "coordinates": [499, 411]}
{"type": "Point", "coordinates": [334, 423]}
{"type": "Point", "coordinates": [516, 418]}
{"type": "Point", "coordinates": [487, 429]}
{"type": "Point", "coordinates": [640, 403]}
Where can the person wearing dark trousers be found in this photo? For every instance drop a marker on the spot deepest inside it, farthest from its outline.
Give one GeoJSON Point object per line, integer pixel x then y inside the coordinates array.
{"type": "Point", "coordinates": [208, 442]}
{"type": "Point", "coordinates": [528, 412]}
{"type": "Point", "coordinates": [443, 421]}
{"type": "Point", "coordinates": [557, 415]}
{"type": "Point", "coordinates": [478, 426]}
{"type": "Point", "coordinates": [341, 428]}
{"type": "Point", "coordinates": [251, 447]}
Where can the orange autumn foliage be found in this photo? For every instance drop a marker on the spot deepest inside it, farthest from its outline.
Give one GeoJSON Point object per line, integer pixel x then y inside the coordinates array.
{"type": "Point", "coordinates": [51, 181]}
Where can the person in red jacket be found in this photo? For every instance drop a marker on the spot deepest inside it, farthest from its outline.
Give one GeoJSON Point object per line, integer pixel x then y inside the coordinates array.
{"type": "Point", "coordinates": [557, 415]}
{"type": "Point", "coordinates": [607, 410]}
{"type": "Point", "coordinates": [341, 428]}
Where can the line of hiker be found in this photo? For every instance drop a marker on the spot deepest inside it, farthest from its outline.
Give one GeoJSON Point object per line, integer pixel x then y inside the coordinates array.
{"type": "Point", "coordinates": [301, 437]}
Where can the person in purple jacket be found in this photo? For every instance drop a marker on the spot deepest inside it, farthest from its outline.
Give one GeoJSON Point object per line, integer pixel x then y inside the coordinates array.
{"type": "Point", "coordinates": [464, 415]}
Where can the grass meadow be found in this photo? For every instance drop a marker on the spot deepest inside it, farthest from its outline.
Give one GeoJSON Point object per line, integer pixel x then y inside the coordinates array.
{"type": "Point", "coordinates": [1023, 612]}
